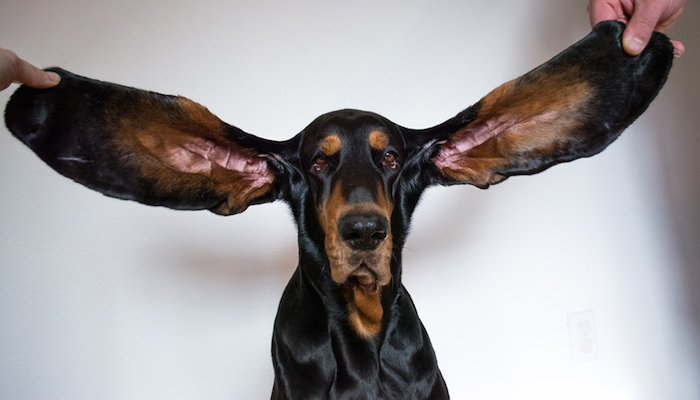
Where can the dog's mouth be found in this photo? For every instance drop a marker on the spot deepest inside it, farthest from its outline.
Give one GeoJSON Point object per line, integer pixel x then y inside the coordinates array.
{"type": "Point", "coordinates": [363, 271]}
{"type": "Point", "coordinates": [363, 278]}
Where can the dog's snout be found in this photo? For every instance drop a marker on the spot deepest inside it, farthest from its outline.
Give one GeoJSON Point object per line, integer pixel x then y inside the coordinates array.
{"type": "Point", "coordinates": [363, 231]}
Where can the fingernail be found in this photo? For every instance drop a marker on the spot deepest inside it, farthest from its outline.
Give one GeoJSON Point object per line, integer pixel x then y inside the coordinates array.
{"type": "Point", "coordinates": [54, 78]}
{"type": "Point", "coordinates": [635, 45]}
{"type": "Point", "coordinates": [677, 52]}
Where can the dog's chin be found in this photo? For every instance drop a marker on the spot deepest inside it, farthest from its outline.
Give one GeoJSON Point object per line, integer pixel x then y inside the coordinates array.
{"type": "Point", "coordinates": [363, 276]}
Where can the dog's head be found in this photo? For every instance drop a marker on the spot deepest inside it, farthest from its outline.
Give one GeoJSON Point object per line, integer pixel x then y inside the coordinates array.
{"type": "Point", "coordinates": [352, 161]}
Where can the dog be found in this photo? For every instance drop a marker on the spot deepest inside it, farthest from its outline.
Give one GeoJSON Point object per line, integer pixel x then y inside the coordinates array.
{"type": "Point", "coordinates": [346, 327]}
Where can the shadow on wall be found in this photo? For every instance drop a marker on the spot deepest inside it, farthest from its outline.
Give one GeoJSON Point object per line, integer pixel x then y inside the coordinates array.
{"type": "Point", "coordinates": [678, 143]}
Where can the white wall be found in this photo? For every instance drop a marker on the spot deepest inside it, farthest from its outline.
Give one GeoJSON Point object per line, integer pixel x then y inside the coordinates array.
{"type": "Point", "coordinates": [107, 299]}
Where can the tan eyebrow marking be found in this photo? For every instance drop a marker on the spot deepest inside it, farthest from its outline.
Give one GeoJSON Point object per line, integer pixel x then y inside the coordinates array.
{"type": "Point", "coordinates": [330, 145]}
{"type": "Point", "coordinates": [378, 140]}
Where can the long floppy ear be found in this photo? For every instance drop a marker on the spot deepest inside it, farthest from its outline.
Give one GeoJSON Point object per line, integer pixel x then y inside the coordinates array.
{"type": "Point", "coordinates": [572, 106]}
{"type": "Point", "coordinates": [148, 147]}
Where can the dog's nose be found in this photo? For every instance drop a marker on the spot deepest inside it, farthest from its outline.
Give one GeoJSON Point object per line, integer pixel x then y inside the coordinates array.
{"type": "Point", "coordinates": [363, 232]}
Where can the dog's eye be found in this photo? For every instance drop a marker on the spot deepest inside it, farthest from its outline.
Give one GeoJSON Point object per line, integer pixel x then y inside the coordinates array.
{"type": "Point", "coordinates": [391, 160]}
{"type": "Point", "coordinates": [320, 163]}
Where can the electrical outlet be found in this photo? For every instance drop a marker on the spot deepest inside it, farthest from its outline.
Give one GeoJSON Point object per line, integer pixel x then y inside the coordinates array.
{"type": "Point", "coordinates": [583, 336]}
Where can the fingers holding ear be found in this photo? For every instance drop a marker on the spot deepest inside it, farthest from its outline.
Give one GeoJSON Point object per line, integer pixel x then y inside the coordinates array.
{"type": "Point", "coordinates": [647, 17]}
{"type": "Point", "coordinates": [642, 17]}
{"type": "Point", "coordinates": [36, 78]}
{"type": "Point", "coordinates": [15, 69]}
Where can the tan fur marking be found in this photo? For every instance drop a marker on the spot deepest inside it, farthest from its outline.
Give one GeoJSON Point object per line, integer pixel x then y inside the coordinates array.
{"type": "Point", "coordinates": [540, 111]}
{"type": "Point", "coordinates": [378, 140]}
{"type": "Point", "coordinates": [536, 94]}
{"type": "Point", "coordinates": [337, 251]}
{"type": "Point", "coordinates": [199, 115]}
{"type": "Point", "coordinates": [365, 311]}
{"type": "Point", "coordinates": [384, 203]}
{"type": "Point", "coordinates": [330, 145]}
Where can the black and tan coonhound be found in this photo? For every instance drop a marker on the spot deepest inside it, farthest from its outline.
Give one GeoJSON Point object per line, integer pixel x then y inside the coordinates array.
{"type": "Point", "coordinates": [346, 326]}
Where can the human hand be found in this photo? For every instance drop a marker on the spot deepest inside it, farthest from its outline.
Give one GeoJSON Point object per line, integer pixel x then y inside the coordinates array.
{"type": "Point", "coordinates": [15, 69]}
{"type": "Point", "coordinates": [642, 18]}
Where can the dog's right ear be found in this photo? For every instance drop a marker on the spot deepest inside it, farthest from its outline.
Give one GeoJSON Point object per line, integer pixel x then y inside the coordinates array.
{"type": "Point", "coordinates": [572, 106]}
{"type": "Point", "coordinates": [143, 146]}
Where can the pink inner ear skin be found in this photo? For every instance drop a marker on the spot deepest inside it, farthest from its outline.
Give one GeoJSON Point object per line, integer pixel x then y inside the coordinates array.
{"type": "Point", "coordinates": [456, 147]}
{"type": "Point", "coordinates": [202, 156]}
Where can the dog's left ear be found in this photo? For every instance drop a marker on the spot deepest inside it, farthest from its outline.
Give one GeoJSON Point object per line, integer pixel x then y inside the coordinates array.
{"type": "Point", "coordinates": [573, 106]}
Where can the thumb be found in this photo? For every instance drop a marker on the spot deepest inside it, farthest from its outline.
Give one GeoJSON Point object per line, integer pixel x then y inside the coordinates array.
{"type": "Point", "coordinates": [34, 77]}
{"type": "Point", "coordinates": [639, 29]}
